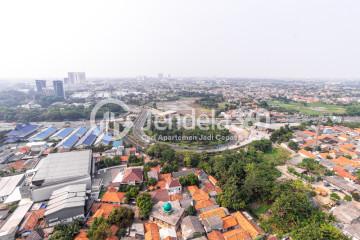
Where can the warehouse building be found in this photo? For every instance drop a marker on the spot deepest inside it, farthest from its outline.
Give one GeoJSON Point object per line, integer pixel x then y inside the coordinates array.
{"type": "Point", "coordinates": [66, 204]}
{"type": "Point", "coordinates": [59, 170]}
{"type": "Point", "coordinates": [9, 184]}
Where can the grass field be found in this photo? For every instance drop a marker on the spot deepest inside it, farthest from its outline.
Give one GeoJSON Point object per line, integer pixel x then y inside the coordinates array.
{"type": "Point", "coordinates": [277, 156]}
{"type": "Point", "coordinates": [258, 209]}
{"type": "Point", "coordinates": [313, 109]}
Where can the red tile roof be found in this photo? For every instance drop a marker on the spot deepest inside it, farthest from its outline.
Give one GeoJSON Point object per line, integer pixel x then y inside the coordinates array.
{"type": "Point", "coordinates": [215, 235]}
{"type": "Point", "coordinates": [113, 197]}
{"type": "Point", "coordinates": [343, 173]}
{"type": "Point", "coordinates": [152, 231]}
{"type": "Point", "coordinates": [133, 175]}
{"type": "Point", "coordinates": [32, 219]}
{"type": "Point", "coordinates": [174, 183]}
{"type": "Point", "coordinates": [306, 154]}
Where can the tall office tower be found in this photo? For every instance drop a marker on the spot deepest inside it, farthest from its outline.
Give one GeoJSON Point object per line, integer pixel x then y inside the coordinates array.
{"type": "Point", "coordinates": [59, 88]}
{"type": "Point", "coordinates": [160, 76]}
{"type": "Point", "coordinates": [76, 77]}
{"type": "Point", "coordinates": [40, 85]}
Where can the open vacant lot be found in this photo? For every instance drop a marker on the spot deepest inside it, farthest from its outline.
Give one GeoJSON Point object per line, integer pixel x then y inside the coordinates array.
{"type": "Point", "coordinates": [313, 109]}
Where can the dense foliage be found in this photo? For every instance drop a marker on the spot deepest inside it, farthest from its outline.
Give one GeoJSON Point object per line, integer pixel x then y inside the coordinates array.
{"type": "Point", "coordinates": [66, 231]}
{"type": "Point", "coordinates": [292, 212]}
{"type": "Point", "coordinates": [244, 176]}
{"type": "Point", "coordinates": [167, 157]}
{"type": "Point", "coordinates": [284, 134]}
{"type": "Point", "coordinates": [189, 180]}
{"type": "Point", "coordinates": [144, 203]}
{"type": "Point", "coordinates": [122, 217]}
{"type": "Point", "coordinates": [210, 100]}
{"type": "Point", "coordinates": [249, 176]}
{"type": "Point", "coordinates": [353, 110]}
{"type": "Point", "coordinates": [54, 113]}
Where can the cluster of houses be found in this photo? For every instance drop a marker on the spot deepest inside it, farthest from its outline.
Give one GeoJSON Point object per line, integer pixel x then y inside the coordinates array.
{"type": "Point", "coordinates": [337, 149]}
{"type": "Point", "coordinates": [170, 217]}
{"type": "Point", "coordinates": [60, 186]}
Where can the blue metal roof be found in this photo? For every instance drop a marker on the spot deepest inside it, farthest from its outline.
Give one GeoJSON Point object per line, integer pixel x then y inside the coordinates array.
{"type": "Point", "coordinates": [22, 130]}
{"type": "Point", "coordinates": [70, 142]}
{"type": "Point", "coordinates": [63, 132]}
{"type": "Point", "coordinates": [117, 143]}
{"type": "Point", "coordinates": [90, 140]}
{"type": "Point", "coordinates": [106, 139]}
{"type": "Point", "coordinates": [75, 136]}
{"type": "Point", "coordinates": [81, 131]}
{"type": "Point", "coordinates": [44, 134]}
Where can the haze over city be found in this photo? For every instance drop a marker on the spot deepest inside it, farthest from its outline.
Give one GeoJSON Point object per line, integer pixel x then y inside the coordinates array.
{"type": "Point", "coordinates": [248, 38]}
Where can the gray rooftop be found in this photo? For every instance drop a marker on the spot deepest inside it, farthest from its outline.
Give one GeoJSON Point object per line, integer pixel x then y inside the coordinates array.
{"type": "Point", "coordinates": [173, 218]}
{"type": "Point", "coordinates": [347, 213]}
{"type": "Point", "coordinates": [8, 184]}
{"type": "Point", "coordinates": [67, 197]}
{"type": "Point", "coordinates": [191, 225]}
{"type": "Point", "coordinates": [353, 230]}
{"type": "Point", "coordinates": [342, 183]}
{"type": "Point", "coordinates": [58, 167]}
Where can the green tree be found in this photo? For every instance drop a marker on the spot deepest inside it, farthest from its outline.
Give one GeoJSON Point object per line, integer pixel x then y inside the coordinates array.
{"type": "Point", "coordinates": [144, 203]}
{"type": "Point", "coordinates": [190, 211]}
{"type": "Point", "coordinates": [99, 229]}
{"type": "Point", "coordinates": [293, 145]}
{"type": "Point", "coordinates": [132, 192]}
{"type": "Point", "coordinates": [151, 182]}
{"type": "Point", "coordinates": [289, 211]}
{"type": "Point", "coordinates": [348, 198]}
{"type": "Point", "coordinates": [123, 217]}
{"type": "Point", "coordinates": [316, 231]}
{"type": "Point", "coordinates": [189, 180]}
{"type": "Point", "coordinates": [66, 231]}
{"type": "Point", "coordinates": [263, 145]}
{"type": "Point", "coordinates": [334, 197]}
{"type": "Point", "coordinates": [191, 159]}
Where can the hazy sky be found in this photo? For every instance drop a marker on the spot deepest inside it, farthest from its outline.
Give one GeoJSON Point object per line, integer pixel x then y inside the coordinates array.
{"type": "Point", "coordinates": [243, 38]}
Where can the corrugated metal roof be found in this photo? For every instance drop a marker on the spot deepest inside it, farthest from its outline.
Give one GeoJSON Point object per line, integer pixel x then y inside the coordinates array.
{"type": "Point", "coordinates": [8, 184]}
{"type": "Point", "coordinates": [63, 133]}
{"type": "Point", "coordinates": [44, 134]}
{"type": "Point", "coordinates": [67, 197]}
{"type": "Point", "coordinates": [63, 166]}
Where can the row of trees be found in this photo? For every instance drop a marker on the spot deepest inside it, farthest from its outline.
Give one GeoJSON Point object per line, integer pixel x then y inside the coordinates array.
{"type": "Point", "coordinates": [54, 113]}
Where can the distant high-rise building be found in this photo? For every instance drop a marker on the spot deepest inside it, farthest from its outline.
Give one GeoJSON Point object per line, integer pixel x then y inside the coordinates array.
{"type": "Point", "coordinates": [59, 88]}
{"type": "Point", "coordinates": [40, 85]}
{"type": "Point", "coordinates": [160, 76]}
{"type": "Point", "coordinates": [76, 77]}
